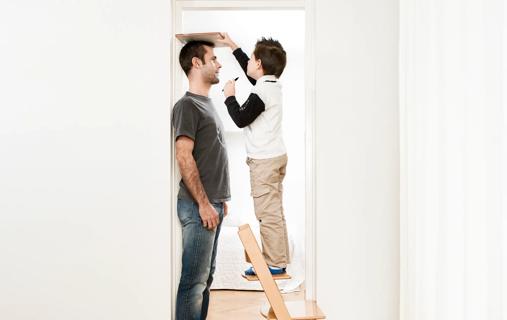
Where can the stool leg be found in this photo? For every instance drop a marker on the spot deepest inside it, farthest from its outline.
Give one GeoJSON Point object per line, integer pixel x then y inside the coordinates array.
{"type": "Point", "coordinates": [261, 269]}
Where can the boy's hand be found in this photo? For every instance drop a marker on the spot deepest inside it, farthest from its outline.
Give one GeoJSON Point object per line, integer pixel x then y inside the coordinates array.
{"type": "Point", "coordinates": [227, 41]}
{"type": "Point", "coordinates": [230, 88]}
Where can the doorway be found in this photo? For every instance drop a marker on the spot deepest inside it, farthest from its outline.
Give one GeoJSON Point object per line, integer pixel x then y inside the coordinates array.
{"type": "Point", "coordinates": [247, 22]}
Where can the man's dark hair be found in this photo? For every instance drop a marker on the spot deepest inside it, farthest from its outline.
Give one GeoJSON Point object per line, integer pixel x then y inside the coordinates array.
{"type": "Point", "coordinates": [272, 56]}
{"type": "Point", "coordinates": [193, 49]}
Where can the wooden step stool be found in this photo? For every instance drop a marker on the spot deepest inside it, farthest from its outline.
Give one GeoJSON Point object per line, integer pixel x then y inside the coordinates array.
{"type": "Point", "coordinates": [277, 308]}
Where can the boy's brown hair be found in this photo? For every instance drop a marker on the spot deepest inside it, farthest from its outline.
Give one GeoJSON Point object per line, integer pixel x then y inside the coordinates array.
{"type": "Point", "coordinates": [272, 56]}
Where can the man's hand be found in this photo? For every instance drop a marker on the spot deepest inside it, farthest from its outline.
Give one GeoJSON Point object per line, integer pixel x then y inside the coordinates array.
{"type": "Point", "coordinates": [230, 88]}
{"type": "Point", "coordinates": [227, 41]}
{"type": "Point", "coordinates": [226, 209]}
{"type": "Point", "coordinates": [209, 216]}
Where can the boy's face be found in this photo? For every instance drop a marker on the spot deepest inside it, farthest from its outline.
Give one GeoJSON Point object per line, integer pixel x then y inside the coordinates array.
{"type": "Point", "coordinates": [211, 67]}
{"type": "Point", "coordinates": [253, 69]}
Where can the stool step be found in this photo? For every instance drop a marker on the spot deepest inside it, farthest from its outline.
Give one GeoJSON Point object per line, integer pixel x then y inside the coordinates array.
{"type": "Point", "coordinates": [274, 276]}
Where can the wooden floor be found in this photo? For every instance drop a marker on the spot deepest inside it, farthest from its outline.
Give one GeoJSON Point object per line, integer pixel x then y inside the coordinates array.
{"type": "Point", "coordinates": [244, 305]}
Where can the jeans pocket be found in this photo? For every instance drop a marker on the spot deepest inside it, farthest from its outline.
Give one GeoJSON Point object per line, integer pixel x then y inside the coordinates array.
{"type": "Point", "coordinates": [185, 211]}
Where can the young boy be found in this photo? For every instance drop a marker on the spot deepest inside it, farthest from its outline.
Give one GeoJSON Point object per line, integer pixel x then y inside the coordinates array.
{"type": "Point", "coordinates": [261, 118]}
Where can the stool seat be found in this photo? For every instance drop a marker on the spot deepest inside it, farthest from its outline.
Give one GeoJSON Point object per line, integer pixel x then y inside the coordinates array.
{"type": "Point", "coordinates": [284, 276]}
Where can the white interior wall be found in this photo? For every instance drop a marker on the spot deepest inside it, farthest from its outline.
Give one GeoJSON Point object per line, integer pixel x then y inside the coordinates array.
{"type": "Point", "coordinates": [84, 229]}
{"type": "Point", "coordinates": [84, 160]}
{"type": "Point", "coordinates": [357, 159]}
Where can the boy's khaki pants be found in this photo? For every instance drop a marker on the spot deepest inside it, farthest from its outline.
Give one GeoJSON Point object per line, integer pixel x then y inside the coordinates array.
{"type": "Point", "coordinates": [266, 176]}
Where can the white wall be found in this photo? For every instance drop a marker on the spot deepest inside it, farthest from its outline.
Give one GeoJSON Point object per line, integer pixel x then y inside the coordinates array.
{"type": "Point", "coordinates": [84, 159]}
{"type": "Point", "coordinates": [357, 159]}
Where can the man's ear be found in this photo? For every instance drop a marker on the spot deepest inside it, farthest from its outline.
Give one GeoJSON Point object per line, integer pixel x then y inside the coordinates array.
{"type": "Point", "coordinates": [196, 62]}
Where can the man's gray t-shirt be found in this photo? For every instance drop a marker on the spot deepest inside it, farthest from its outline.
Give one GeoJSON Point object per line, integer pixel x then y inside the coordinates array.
{"type": "Point", "coordinates": [195, 116]}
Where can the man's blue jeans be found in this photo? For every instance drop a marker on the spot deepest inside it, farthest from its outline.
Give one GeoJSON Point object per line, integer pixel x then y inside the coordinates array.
{"type": "Point", "coordinates": [198, 261]}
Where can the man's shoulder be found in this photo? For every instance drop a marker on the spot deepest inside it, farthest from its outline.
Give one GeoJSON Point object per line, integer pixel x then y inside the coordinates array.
{"type": "Point", "coordinates": [185, 103]}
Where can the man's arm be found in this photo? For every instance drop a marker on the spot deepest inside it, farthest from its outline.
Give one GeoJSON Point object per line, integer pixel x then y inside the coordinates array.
{"type": "Point", "coordinates": [192, 180]}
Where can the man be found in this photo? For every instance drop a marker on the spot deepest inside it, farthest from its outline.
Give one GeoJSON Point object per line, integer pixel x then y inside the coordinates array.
{"type": "Point", "coordinates": [204, 189]}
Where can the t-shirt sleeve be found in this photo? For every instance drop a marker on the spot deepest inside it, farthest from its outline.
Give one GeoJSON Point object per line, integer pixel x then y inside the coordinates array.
{"type": "Point", "coordinates": [185, 120]}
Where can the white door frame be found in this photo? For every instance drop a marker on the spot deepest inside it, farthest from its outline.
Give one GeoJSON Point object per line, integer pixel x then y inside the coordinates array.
{"type": "Point", "coordinates": [178, 6]}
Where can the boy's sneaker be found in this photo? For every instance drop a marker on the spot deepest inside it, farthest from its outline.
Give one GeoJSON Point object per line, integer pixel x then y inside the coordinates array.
{"type": "Point", "coordinates": [274, 271]}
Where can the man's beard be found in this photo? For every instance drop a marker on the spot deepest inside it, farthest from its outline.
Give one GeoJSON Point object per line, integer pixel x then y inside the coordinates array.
{"type": "Point", "coordinates": [214, 79]}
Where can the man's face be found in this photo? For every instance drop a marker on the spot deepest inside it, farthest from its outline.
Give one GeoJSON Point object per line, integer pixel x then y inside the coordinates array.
{"type": "Point", "coordinates": [211, 66]}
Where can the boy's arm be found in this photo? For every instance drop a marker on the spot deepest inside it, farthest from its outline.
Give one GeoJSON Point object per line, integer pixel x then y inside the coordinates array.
{"type": "Point", "coordinates": [245, 114]}
{"type": "Point", "coordinates": [237, 52]}
{"type": "Point", "coordinates": [242, 59]}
